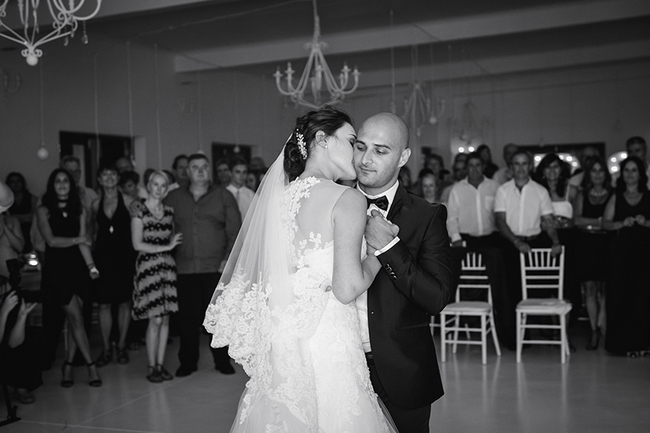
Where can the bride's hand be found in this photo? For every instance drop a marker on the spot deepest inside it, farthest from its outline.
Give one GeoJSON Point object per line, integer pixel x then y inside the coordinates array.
{"type": "Point", "coordinates": [379, 231]}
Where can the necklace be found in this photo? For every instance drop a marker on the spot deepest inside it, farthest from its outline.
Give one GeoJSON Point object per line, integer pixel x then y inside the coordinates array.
{"type": "Point", "coordinates": [596, 194]}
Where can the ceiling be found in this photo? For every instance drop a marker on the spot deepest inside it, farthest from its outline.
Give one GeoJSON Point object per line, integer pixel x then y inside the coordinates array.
{"type": "Point", "coordinates": [443, 38]}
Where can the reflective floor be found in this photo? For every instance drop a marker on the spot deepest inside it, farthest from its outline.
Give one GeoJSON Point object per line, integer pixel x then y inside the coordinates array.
{"type": "Point", "coordinates": [593, 392]}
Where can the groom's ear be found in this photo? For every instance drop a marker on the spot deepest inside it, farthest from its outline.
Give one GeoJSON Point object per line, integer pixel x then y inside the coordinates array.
{"type": "Point", "coordinates": [404, 157]}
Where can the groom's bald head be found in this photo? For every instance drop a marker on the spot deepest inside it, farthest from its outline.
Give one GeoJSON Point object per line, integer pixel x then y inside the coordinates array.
{"type": "Point", "coordinates": [380, 151]}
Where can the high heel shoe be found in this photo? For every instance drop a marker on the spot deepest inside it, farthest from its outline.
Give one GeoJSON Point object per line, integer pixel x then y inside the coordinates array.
{"type": "Point", "coordinates": [66, 380]}
{"type": "Point", "coordinates": [595, 339]}
{"type": "Point", "coordinates": [95, 383]}
{"type": "Point", "coordinates": [164, 374]}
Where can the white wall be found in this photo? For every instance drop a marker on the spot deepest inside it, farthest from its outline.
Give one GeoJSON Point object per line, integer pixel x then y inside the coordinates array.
{"type": "Point", "coordinates": [560, 106]}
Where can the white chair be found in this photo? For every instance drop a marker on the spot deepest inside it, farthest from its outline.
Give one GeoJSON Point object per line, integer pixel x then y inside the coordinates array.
{"type": "Point", "coordinates": [473, 278]}
{"type": "Point", "coordinates": [542, 272]}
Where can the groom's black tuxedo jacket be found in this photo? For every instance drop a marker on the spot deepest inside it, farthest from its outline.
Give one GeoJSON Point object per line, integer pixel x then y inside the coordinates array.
{"type": "Point", "coordinates": [413, 285]}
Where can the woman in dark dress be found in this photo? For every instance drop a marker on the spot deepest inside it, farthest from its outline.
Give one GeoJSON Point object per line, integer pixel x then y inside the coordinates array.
{"type": "Point", "coordinates": [115, 258]}
{"type": "Point", "coordinates": [592, 243]}
{"type": "Point", "coordinates": [68, 264]}
{"type": "Point", "coordinates": [628, 293]}
{"type": "Point", "coordinates": [155, 296]}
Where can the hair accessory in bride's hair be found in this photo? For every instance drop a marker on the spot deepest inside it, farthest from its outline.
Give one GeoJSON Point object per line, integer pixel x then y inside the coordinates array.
{"type": "Point", "coordinates": [301, 144]}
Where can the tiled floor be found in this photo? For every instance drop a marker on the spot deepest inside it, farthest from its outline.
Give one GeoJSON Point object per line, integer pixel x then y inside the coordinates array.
{"type": "Point", "coordinates": [594, 392]}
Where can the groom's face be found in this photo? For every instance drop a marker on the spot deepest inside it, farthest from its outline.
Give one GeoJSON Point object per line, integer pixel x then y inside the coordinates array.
{"type": "Point", "coordinates": [378, 155]}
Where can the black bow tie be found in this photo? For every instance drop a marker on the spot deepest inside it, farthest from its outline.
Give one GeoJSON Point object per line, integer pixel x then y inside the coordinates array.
{"type": "Point", "coordinates": [381, 202]}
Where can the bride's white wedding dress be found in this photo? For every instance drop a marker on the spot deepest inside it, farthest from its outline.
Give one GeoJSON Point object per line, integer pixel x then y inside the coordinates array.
{"type": "Point", "coordinates": [301, 347]}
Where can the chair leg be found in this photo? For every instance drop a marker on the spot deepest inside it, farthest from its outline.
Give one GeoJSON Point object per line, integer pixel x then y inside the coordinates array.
{"type": "Point", "coordinates": [564, 352]}
{"type": "Point", "coordinates": [483, 339]}
{"type": "Point", "coordinates": [443, 334]}
{"type": "Point", "coordinates": [456, 326]}
{"type": "Point", "coordinates": [495, 338]}
{"type": "Point", "coordinates": [520, 335]}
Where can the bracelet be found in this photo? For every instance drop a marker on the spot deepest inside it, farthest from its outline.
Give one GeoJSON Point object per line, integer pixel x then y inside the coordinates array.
{"type": "Point", "coordinates": [93, 270]}
{"type": "Point", "coordinates": [91, 265]}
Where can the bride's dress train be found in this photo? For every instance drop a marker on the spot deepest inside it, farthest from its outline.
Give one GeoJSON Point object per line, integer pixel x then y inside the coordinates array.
{"type": "Point", "coordinates": [302, 349]}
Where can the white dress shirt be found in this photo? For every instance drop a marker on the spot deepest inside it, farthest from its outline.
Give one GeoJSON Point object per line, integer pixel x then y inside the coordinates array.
{"type": "Point", "coordinates": [471, 210]}
{"type": "Point", "coordinates": [524, 209]}
{"type": "Point", "coordinates": [244, 197]}
{"type": "Point", "coordinates": [362, 300]}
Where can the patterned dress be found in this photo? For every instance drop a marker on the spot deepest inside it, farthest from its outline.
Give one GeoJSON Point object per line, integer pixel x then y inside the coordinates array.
{"type": "Point", "coordinates": [155, 274]}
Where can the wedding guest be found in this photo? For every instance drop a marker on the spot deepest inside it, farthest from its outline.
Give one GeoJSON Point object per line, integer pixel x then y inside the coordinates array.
{"type": "Point", "coordinates": [486, 155]}
{"type": "Point", "coordinates": [587, 154]}
{"type": "Point", "coordinates": [19, 367]}
{"type": "Point", "coordinates": [636, 146]}
{"type": "Point", "coordinates": [470, 223]}
{"type": "Point", "coordinates": [252, 181]}
{"type": "Point", "coordinates": [628, 298]}
{"type": "Point", "coordinates": [223, 172]}
{"type": "Point", "coordinates": [209, 218]}
{"type": "Point", "coordinates": [471, 207]}
{"type": "Point", "coordinates": [553, 174]}
{"type": "Point", "coordinates": [23, 207]}
{"type": "Point", "coordinates": [237, 187]}
{"type": "Point", "coordinates": [405, 177]}
{"type": "Point", "coordinates": [435, 163]}
{"type": "Point", "coordinates": [155, 294]}
{"type": "Point", "coordinates": [459, 172]}
{"type": "Point", "coordinates": [505, 173]}
{"type": "Point", "coordinates": [125, 164]}
{"type": "Point", "coordinates": [521, 208]}
{"type": "Point", "coordinates": [68, 264]}
{"type": "Point", "coordinates": [86, 195]}
{"type": "Point", "coordinates": [128, 184]}
{"type": "Point", "coordinates": [179, 167]}
{"type": "Point", "coordinates": [115, 258]}
{"type": "Point", "coordinates": [428, 185]}
{"type": "Point", "coordinates": [593, 253]}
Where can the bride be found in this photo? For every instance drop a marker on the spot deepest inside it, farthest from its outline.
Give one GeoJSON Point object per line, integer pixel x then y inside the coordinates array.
{"type": "Point", "coordinates": [284, 304]}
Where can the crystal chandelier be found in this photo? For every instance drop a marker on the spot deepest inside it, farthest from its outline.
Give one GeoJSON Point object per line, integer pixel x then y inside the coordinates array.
{"type": "Point", "coordinates": [64, 23]}
{"type": "Point", "coordinates": [316, 72]}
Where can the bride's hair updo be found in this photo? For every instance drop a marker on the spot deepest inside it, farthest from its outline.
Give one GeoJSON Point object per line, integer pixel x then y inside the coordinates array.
{"type": "Point", "coordinates": [298, 148]}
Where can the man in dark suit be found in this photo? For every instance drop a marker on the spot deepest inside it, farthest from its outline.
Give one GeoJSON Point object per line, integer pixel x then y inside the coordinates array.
{"type": "Point", "coordinates": [410, 238]}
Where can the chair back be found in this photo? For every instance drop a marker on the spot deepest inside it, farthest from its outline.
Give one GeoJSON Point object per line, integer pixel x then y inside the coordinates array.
{"type": "Point", "coordinates": [473, 279]}
{"type": "Point", "coordinates": [541, 274]}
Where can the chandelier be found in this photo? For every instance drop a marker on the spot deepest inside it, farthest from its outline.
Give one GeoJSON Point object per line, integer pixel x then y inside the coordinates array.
{"type": "Point", "coordinates": [64, 23]}
{"type": "Point", "coordinates": [315, 74]}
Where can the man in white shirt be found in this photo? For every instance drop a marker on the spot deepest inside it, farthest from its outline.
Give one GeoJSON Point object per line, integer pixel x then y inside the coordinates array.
{"type": "Point", "coordinates": [471, 207]}
{"type": "Point", "coordinates": [470, 223]}
{"type": "Point", "coordinates": [243, 195]}
{"type": "Point", "coordinates": [523, 211]}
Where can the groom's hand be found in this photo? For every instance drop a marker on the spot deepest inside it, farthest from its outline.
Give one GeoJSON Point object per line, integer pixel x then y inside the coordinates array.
{"type": "Point", "coordinates": [379, 231]}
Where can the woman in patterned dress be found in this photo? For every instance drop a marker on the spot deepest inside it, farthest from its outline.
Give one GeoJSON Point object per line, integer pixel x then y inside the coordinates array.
{"type": "Point", "coordinates": [154, 297]}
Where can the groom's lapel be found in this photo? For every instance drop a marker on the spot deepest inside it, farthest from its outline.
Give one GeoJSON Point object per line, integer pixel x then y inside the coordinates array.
{"type": "Point", "coordinates": [401, 198]}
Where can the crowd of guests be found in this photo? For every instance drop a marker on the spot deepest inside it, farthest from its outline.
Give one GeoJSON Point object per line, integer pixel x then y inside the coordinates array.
{"type": "Point", "coordinates": [147, 254]}
{"type": "Point", "coordinates": [600, 223]}
{"type": "Point", "coordinates": [148, 250]}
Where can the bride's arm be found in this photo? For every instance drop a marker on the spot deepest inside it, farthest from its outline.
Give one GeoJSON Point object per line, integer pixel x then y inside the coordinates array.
{"type": "Point", "coordinates": [351, 276]}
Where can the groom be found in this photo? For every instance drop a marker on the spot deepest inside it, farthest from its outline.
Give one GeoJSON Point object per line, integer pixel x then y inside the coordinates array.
{"type": "Point", "coordinates": [410, 236]}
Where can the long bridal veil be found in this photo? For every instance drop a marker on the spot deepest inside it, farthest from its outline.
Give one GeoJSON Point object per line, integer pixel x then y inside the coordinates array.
{"type": "Point", "coordinates": [264, 308]}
